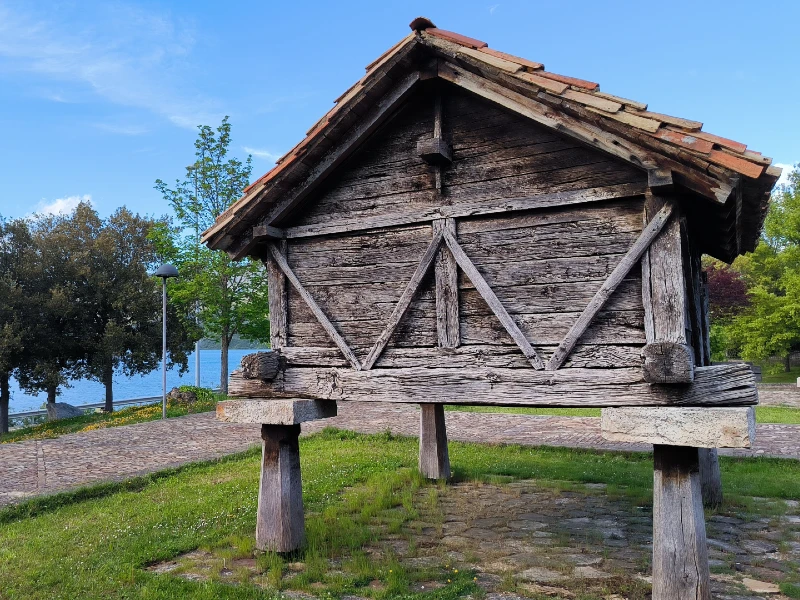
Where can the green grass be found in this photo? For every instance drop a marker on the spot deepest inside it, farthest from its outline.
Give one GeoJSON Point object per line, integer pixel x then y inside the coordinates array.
{"type": "Point", "coordinates": [127, 416]}
{"type": "Point", "coordinates": [97, 543]}
{"type": "Point", "coordinates": [771, 374]}
{"type": "Point", "coordinates": [764, 414]}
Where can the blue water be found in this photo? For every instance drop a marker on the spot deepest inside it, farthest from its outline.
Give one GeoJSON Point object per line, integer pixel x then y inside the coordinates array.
{"type": "Point", "coordinates": [90, 392]}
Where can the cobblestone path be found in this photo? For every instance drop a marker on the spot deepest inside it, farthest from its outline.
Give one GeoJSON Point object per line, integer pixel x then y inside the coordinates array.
{"type": "Point", "coordinates": [37, 467]}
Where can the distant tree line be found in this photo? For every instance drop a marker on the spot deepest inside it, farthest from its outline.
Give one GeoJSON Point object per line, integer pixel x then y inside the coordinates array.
{"type": "Point", "coordinates": [755, 302]}
{"type": "Point", "coordinates": [77, 301]}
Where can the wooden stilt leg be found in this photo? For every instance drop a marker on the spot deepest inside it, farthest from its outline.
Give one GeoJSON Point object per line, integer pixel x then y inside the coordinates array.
{"type": "Point", "coordinates": [710, 478]}
{"type": "Point", "coordinates": [280, 524]}
{"type": "Point", "coordinates": [680, 557]}
{"type": "Point", "coordinates": [434, 462]}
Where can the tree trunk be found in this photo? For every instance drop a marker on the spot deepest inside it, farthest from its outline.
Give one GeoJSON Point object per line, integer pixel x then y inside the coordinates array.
{"type": "Point", "coordinates": [787, 363]}
{"type": "Point", "coordinates": [223, 374]}
{"type": "Point", "coordinates": [51, 393]}
{"type": "Point", "coordinates": [5, 397]}
{"type": "Point", "coordinates": [108, 381]}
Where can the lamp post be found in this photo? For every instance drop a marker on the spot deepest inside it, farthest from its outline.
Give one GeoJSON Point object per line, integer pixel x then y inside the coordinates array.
{"type": "Point", "coordinates": [165, 272]}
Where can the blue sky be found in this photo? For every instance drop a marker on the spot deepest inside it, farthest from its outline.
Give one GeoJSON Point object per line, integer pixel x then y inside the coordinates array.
{"type": "Point", "coordinates": [99, 99]}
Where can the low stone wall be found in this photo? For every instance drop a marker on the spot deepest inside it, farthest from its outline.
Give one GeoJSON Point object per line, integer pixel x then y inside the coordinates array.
{"type": "Point", "coordinates": [779, 394]}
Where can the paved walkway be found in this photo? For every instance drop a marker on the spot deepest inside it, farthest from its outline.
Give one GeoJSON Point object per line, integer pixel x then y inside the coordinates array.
{"type": "Point", "coordinates": [45, 466]}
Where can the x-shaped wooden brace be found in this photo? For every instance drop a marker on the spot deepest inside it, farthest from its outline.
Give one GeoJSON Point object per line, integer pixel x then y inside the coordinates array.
{"type": "Point", "coordinates": [619, 273]}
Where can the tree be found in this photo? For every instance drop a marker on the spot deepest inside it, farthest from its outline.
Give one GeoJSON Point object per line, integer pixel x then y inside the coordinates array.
{"type": "Point", "coordinates": [770, 325]}
{"type": "Point", "coordinates": [16, 250]}
{"type": "Point", "coordinates": [54, 307]}
{"type": "Point", "coordinates": [229, 297]}
{"type": "Point", "coordinates": [125, 301]}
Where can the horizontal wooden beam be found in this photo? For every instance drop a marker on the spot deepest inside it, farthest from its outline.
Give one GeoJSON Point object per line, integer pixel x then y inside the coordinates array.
{"type": "Point", "coordinates": [717, 385]}
{"type": "Point", "coordinates": [268, 232]}
{"type": "Point", "coordinates": [585, 356]}
{"type": "Point", "coordinates": [411, 216]}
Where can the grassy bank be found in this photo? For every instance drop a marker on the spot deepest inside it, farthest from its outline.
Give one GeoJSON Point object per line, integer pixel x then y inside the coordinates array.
{"type": "Point", "coordinates": [206, 401]}
{"type": "Point", "coordinates": [99, 543]}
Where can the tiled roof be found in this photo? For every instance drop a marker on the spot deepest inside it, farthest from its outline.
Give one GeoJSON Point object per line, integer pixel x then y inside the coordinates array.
{"type": "Point", "coordinates": [680, 139]}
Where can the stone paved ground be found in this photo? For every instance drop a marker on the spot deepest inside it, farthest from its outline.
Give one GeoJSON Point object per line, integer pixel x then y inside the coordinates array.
{"type": "Point", "coordinates": [45, 466]}
{"type": "Point", "coordinates": [530, 539]}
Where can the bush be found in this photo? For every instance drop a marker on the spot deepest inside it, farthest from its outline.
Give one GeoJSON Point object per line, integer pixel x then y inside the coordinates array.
{"type": "Point", "coordinates": [202, 394]}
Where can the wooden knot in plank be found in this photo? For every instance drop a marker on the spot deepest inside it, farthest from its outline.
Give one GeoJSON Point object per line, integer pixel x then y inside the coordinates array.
{"type": "Point", "coordinates": [261, 365]}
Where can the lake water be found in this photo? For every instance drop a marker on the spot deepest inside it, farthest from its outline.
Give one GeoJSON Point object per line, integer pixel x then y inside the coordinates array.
{"type": "Point", "coordinates": [91, 392]}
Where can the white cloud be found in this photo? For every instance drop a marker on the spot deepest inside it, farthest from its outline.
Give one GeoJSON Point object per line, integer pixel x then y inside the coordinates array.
{"type": "Point", "coordinates": [784, 178]}
{"type": "Point", "coordinates": [61, 206]}
{"type": "Point", "coordinates": [493, 8]}
{"type": "Point", "coordinates": [123, 54]}
{"type": "Point", "coordinates": [265, 154]}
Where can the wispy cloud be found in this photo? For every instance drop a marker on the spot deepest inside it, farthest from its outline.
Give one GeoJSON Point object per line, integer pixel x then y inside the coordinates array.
{"type": "Point", "coordinates": [265, 154]}
{"type": "Point", "coordinates": [61, 206]}
{"type": "Point", "coordinates": [493, 8]}
{"type": "Point", "coordinates": [123, 54]}
{"type": "Point", "coordinates": [784, 178]}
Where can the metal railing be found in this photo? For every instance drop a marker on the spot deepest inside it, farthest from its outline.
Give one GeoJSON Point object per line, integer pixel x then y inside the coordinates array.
{"type": "Point", "coordinates": [128, 402]}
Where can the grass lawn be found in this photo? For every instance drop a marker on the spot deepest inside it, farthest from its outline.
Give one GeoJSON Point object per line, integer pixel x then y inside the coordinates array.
{"type": "Point", "coordinates": [126, 416]}
{"type": "Point", "coordinates": [98, 543]}
{"type": "Point", "coordinates": [780, 376]}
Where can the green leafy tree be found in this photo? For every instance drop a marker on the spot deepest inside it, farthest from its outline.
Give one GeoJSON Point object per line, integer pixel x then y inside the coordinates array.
{"type": "Point", "coordinates": [125, 301]}
{"type": "Point", "coordinates": [16, 254]}
{"type": "Point", "coordinates": [230, 297]}
{"type": "Point", "coordinates": [54, 308]}
{"type": "Point", "coordinates": [770, 325]}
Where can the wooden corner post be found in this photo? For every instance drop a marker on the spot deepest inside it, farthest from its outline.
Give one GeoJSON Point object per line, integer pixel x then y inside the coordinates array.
{"type": "Point", "coordinates": [434, 460]}
{"type": "Point", "coordinates": [680, 557]}
{"type": "Point", "coordinates": [280, 523]}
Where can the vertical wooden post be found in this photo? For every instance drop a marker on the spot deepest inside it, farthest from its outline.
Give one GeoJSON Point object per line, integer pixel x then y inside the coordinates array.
{"type": "Point", "coordinates": [280, 524]}
{"type": "Point", "coordinates": [278, 300]}
{"type": "Point", "coordinates": [447, 325]}
{"type": "Point", "coordinates": [680, 557]}
{"type": "Point", "coordinates": [434, 460]}
{"type": "Point", "coordinates": [710, 477]}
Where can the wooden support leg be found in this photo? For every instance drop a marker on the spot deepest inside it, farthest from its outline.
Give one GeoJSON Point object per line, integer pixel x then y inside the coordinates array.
{"type": "Point", "coordinates": [680, 556]}
{"type": "Point", "coordinates": [280, 524]}
{"type": "Point", "coordinates": [434, 462]}
{"type": "Point", "coordinates": [710, 478]}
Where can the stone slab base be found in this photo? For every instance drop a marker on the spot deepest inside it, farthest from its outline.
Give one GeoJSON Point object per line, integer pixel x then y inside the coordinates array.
{"type": "Point", "coordinates": [289, 411]}
{"type": "Point", "coordinates": [729, 427]}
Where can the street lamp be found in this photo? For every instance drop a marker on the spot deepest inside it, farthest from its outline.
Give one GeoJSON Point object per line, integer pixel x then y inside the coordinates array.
{"type": "Point", "coordinates": [165, 272]}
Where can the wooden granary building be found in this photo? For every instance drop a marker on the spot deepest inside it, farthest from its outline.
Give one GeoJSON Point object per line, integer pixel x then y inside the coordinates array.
{"type": "Point", "coordinates": [466, 227]}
